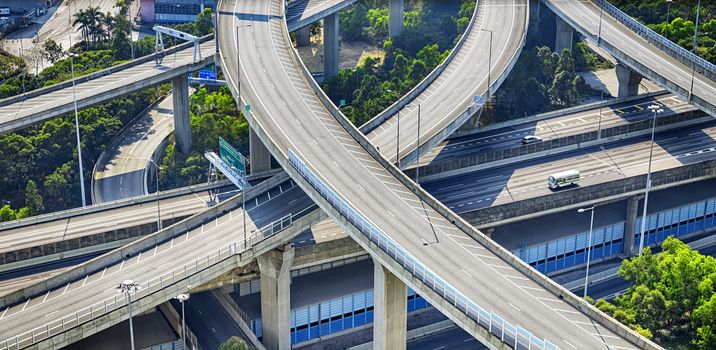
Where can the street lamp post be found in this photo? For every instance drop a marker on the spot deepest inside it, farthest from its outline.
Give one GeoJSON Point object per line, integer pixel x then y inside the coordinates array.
{"type": "Point", "coordinates": [489, 63]}
{"type": "Point", "coordinates": [77, 129]}
{"type": "Point", "coordinates": [656, 110]}
{"type": "Point", "coordinates": [696, 42]}
{"type": "Point", "coordinates": [417, 148]}
{"type": "Point", "coordinates": [599, 33]}
{"type": "Point", "coordinates": [589, 245]}
{"type": "Point", "coordinates": [668, 12]}
{"type": "Point", "coordinates": [238, 59]}
{"type": "Point", "coordinates": [182, 299]}
{"type": "Point", "coordinates": [159, 213]}
{"type": "Point", "coordinates": [127, 287]}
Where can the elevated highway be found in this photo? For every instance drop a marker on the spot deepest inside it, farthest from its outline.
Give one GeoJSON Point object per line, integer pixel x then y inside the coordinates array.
{"type": "Point", "coordinates": [455, 90]}
{"type": "Point", "coordinates": [295, 120]}
{"type": "Point", "coordinates": [36, 106]}
{"type": "Point", "coordinates": [280, 128]}
{"type": "Point", "coordinates": [641, 52]}
{"type": "Point", "coordinates": [301, 13]}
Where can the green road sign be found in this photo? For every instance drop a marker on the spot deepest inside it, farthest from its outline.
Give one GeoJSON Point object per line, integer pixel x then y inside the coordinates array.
{"type": "Point", "coordinates": [248, 108]}
{"type": "Point", "coordinates": [231, 156]}
{"type": "Point", "coordinates": [341, 103]}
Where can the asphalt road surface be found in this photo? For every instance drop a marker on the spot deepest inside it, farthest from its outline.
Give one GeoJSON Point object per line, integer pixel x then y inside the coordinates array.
{"type": "Point", "coordinates": [285, 108]}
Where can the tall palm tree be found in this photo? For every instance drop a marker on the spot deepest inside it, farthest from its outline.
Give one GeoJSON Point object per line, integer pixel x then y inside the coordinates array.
{"type": "Point", "coordinates": [94, 17]}
{"type": "Point", "coordinates": [109, 23]}
{"type": "Point", "coordinates": [82, 19]}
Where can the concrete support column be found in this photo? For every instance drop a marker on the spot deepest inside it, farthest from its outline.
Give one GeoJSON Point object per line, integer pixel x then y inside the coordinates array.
{"type": "Point", "coordinates": [535, 9]}
{"type": "Point", "coordinates": [330, 46]}
{"type": "Point", "coordinates": [565, 33]}
{"type": "Point", "coordinates": [628, 81]}
{"type": "Point", "coordinates": [390, 297]}
{"type": "Point", "coordinates": [275, 269]}
{"type": "Point", "coordinates": [397, 11]}
{"type": "Point", "coordinates": [182, 130]}
{"type": "Point", "coordinates": [260, 155]}
{"type": "Point", "coordinates": [632, 213]}
{"type": "Point", "coordinates": [303, 36]}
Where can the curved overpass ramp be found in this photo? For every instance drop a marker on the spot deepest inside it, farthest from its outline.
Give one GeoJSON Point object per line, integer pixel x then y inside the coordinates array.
{"type": "Point", "coordinates": [447, 96]}
{"type": "Point", "coordinates": [638, 52]}
{"type": "Point", "coordinates": [428, 247]}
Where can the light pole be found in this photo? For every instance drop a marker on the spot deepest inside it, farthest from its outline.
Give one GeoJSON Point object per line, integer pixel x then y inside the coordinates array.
{"type": "Point", "coordinates": [127, 287]}
{"type": "Point", "coordinates": [238, 59]}
{"type": "Point", "coordinates": [656, 110]}
{"type": "Point", "coordinates": [159, 213]}
{"type": "Point", "coordinates": [601, 105]}
{"type": "Point", "coordinates": [668, 11]}
{"type": "Point", "coordinates": [589, 245]}
{"type": "Point", "coordinates": [599, 32]}
{"type": "Point", "coordinates": [696, 42]}
{"type": "Point", "coordinates": [397, 135]}
{"type": "Point", "coordinates": [77, 129]}
{"type": "Point", "coordinates": [417, 148]}
{"type": "Point", "coordinates": [183, 298]}
{"type": "Point", "coordinates": [129, 21]}
{"type": "Point", "coordinates": [489, 63]}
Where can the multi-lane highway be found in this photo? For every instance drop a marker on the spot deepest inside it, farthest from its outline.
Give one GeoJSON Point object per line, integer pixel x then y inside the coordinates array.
{"type": "Point", "coordinates": [525, 180]}
{"type": "Point", "coordinates": [636, 52]}
{"type": "Point", "coordinates": [290, 116]}
{"type": "Point", "coordinates": [300, 13]}
{"type": "Point", "coordinates": [590, 120]}
{"type": "Point", "coordinates": [443, 103]}
{"type": "Point", "coordinates": [121, 172]}
{"type": "Point", "coordinates": [97, 286]}
{"type": "Point", "coordinates": [36, 106]}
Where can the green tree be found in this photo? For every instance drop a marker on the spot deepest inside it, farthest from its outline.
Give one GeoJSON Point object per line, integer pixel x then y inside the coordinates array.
{"type": "Point", "coordinates": [53, 50]}
{"type": "Point", "coordinates": [7, 213]}
{"type": "Point", "coordinates": [33, 199]}
{"type": "Point", "coordinates": [671, 296]}
{"type": "Point", "coordinates": [234, 343]}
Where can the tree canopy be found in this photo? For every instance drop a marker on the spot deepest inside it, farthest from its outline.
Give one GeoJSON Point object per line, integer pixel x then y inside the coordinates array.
{"type": "Point", "coordinates": [671, 297]}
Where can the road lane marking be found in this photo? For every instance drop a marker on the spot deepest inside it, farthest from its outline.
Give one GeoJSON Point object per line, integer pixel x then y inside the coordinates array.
{"type": "Point", "coordinates": [515, 307]}
{"type": "Point", "coordinates": [463, 270]}
{"type": "Point", "coordinates": [566, 342]}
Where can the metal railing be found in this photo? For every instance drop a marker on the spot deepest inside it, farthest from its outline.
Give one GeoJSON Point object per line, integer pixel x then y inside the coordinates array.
{"type": "Point", "coordinates": [105, 306]}
{"type": "Point", "coordinates": [683, 55]}
{"type": "Point", "coordinates": [513, 335]}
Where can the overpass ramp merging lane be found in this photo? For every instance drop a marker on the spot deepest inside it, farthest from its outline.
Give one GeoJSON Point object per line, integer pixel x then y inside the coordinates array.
{"type": "Point", "coordinates": [289, 115]}
{"type": "Point", "coordinates": [635, 51]}
{"type": "Point", "coordinates": [453, 92]}
{"type": "Point", "coordinates": [43, 104]}
{"type": "Point", "coordinates": [412, 211]}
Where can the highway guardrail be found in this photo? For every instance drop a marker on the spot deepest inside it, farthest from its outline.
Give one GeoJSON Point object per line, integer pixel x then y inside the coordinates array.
{"type": "Point", "coordinates": [513, 335]}
{"type": "Point", "coordinates": [684, 56]}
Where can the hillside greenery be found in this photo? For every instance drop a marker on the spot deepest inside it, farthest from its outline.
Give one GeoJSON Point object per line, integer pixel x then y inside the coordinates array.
{"type": "Point", "coordinates": [681, 18]}
{"type": "Point", "coordinates": [40, 170]}
{"type": "Point", "coordinates": [431, 29]}
{"type": "Point", "coordinates": [671, 299]}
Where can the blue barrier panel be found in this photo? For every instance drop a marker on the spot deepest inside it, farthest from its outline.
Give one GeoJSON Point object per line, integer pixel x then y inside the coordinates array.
{"type": "Point", "coordinates": [394, 250]}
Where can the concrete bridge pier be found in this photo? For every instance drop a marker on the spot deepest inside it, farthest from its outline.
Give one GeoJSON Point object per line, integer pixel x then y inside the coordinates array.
{"type": "Point", "coordinates": [330, 46]}
{"type": "Point", "coordinates": [397, 11]}
{"type": "Point", "coordinates": [275, 269]}
{"type": "Point", "coordinates": [260, 156]}
{"type": "Point", "coordinates": [303, 36]}
{"type": "Point", "coordinates": [565, 33]}
{"type": "Point", "coordinates": [182, 129]}
{"type": "Point", "coordinates": [628, 81]}
{"type": "Point", "coordinates": [390, 297]}
{"type": "Point", "coordinates": [632, 213]}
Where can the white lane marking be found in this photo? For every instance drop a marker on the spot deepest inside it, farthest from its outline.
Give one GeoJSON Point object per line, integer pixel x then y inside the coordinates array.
{"type": "Point", "coordinates": [568, 343]}
{"type": "Point", "coordinates": [463, 270]}
{"type": "Point", "coordinates": [515, 307]}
